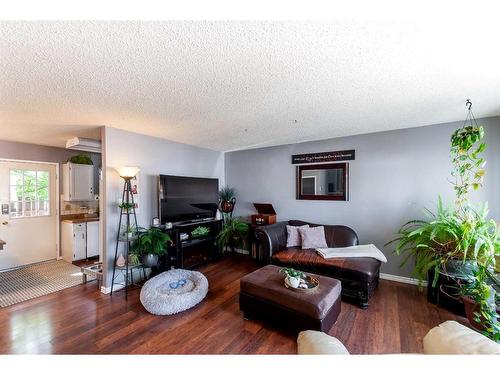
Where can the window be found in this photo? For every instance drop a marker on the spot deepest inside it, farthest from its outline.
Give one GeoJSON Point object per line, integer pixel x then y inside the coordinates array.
{"type": "Point", "coordinates": [29, 193]}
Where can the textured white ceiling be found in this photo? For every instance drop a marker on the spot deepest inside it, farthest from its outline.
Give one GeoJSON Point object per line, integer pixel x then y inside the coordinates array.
{"type": "Point", "coordinates": [231, 85]}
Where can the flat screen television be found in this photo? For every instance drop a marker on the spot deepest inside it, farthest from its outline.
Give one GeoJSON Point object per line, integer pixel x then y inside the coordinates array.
{"type": "Point", "coordinates": [183, 199]}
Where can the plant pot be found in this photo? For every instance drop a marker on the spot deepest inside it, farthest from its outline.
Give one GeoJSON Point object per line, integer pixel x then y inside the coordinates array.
{"type": "Point", "coordinates": [132, 260]}
{"type": "Point", "coordinates": [470, 309]}
{"type": "Point", "coordinates": [226, 206]}
{"type": "Point", "coordinates": [458, 269]}
{"type": "Point", "coordinates": [150, 260]}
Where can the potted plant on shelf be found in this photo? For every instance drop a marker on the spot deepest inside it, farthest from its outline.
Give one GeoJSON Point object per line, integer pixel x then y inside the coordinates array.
{"type": "Point", "coordinates": [200, 231]}
{"type": "Point", "coordinates": [126, 206]}
{"type": "Point", "coordinates": [133, 259]}
{"type": "Point", "coordinates": [150, 245]}
{"type": "Point", "coordinates": [459, 242]}
{"type": "Point", "coordinates": [233, 233]}
{"type": "Point", "coordinates": [227, 199]}
{"type": "Point", "coordinates": [81, 159]}
{"type": "Point", "coordinates": [128, 233]}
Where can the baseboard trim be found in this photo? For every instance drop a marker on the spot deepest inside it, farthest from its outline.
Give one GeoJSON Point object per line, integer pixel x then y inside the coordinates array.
{"type": "Point", "coordinates": [383, 276]}
{"type": "Point", "coordinates": [107, 290]}
{"type": "Point", "coordinates": [401, 279]}
{"type": "Point", "coordinates": [241, 251]}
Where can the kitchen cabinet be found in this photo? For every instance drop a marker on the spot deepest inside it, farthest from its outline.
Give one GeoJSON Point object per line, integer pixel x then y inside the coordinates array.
{"type": "Point", "coordinates": [92, 239]}
{"type": "Point", "coordinates": [79, 240]}
{"type": "Point", "coordinates": [78, 182]}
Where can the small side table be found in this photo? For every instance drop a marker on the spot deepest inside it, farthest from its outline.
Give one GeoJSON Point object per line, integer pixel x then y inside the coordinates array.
{"type": "Point", "coordinates": [95, 271]}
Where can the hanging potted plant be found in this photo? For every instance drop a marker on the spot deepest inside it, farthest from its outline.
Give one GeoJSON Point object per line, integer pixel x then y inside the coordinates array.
{"type": "Point", "coordinates": [227, 199]}
{"type": "Point", "coordinates": [150, 245]}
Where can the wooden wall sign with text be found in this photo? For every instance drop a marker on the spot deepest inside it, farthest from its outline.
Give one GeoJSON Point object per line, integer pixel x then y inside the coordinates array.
{"type": "Point", "coordinates": [321, 157]}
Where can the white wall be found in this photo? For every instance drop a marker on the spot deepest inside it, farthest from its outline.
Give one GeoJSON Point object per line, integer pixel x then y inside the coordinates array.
{"type": "Point", "coordinates": [154, 156]}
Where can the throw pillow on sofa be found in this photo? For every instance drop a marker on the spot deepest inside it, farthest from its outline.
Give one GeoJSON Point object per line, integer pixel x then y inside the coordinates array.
{"type": "Point", "coordinates": [313, 237]}
{"type": "Point", "coordinates": [293, 235]}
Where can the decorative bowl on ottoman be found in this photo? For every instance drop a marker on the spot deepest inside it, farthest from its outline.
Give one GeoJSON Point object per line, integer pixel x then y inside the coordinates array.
{"type": "Point", "coordinates": [306, 284]}
{"type": "Point", "coordinates": [299, 281]}
{"type": "Point", "coordinates": [173, 291]}
{"type": "Point", "coordinates": [264, 296]}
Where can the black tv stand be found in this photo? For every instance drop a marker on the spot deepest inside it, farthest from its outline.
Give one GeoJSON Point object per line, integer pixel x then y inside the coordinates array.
{"type": "Point", "coordinates": [193, 251]}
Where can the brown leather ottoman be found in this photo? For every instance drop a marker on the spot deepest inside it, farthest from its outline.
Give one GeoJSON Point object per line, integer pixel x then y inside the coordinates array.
{"type": "Point", "coordinates": [263, 296]}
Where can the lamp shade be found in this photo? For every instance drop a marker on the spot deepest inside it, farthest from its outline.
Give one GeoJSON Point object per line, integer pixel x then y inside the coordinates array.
{"type": "Point", "coordinates": [128, 171]}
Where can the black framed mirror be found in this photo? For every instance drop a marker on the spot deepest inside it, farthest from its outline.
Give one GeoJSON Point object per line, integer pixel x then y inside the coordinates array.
{"type": "Point", "coordinates": [323, 182]}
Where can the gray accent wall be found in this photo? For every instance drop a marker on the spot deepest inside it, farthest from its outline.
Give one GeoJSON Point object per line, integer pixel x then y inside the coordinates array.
{"type": "Point", "coordinates": [395, 175]}
{"type": "Point", "coordinates": [153, 156]}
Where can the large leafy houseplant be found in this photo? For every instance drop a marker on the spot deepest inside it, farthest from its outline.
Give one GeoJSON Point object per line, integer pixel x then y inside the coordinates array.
{"type": "Point", "coordinates": [448, 235]}
{"type": "Point", "coordinates": [233, 233]}
{"type": "Point", "coordinates": [152, 242]}
{"type": "Point", "coordinates": [461, 234]}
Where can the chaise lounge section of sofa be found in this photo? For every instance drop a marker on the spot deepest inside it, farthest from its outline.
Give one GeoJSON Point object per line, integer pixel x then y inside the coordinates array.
{"type": "Point", "coordinates": [359, 276]}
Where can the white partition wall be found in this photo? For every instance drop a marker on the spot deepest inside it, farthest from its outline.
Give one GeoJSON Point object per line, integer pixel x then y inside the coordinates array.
{"type": "Point", "coordinates": [153, 156]}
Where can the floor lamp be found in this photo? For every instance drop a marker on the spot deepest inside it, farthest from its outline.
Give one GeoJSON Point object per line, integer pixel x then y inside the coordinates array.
{"type": "Point", "coordinates": [127, 207]}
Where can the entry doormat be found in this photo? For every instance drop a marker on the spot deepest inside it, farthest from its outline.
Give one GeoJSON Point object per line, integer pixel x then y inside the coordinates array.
{"type": "Point", "coordinates": [23, 284]}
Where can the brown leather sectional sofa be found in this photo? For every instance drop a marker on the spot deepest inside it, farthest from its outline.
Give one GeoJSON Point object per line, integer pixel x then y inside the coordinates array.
{"type": "Point", "coordinates": [359, 276]}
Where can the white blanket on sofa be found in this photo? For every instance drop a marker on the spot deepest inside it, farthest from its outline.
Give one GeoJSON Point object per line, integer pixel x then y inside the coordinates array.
{"type": "Point", "coordinates": [360, 251]}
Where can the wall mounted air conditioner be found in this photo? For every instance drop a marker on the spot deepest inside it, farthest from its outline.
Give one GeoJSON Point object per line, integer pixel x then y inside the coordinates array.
{"type": "Point", "coordinates": [84, 144]}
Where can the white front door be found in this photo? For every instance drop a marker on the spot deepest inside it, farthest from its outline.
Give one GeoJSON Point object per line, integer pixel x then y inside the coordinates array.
{"type": "Point", "coordinates": [28, 217]}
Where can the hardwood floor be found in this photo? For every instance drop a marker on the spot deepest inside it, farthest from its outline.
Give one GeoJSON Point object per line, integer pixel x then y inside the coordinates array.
{"type": "Point", "coordinates": [82, 320]}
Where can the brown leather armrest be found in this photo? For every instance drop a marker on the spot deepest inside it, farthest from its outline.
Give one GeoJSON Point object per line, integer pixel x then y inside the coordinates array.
{"type": "Point", "coordinates": [272, 238]}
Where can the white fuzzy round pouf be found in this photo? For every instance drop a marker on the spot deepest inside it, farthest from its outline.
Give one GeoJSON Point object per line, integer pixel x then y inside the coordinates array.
{"type": "Point", "coordinates": [159, 298]}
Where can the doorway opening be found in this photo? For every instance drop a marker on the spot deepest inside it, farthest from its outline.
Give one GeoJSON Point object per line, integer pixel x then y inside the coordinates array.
{"type": "Point", "coordinates": [29, 232]}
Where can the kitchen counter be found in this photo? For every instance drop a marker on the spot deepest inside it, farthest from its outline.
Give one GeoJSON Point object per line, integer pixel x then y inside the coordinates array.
{"type": "Point", "coordinates": [79, 218]}
{"type": "Point", "coordinates": [78, 221]}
